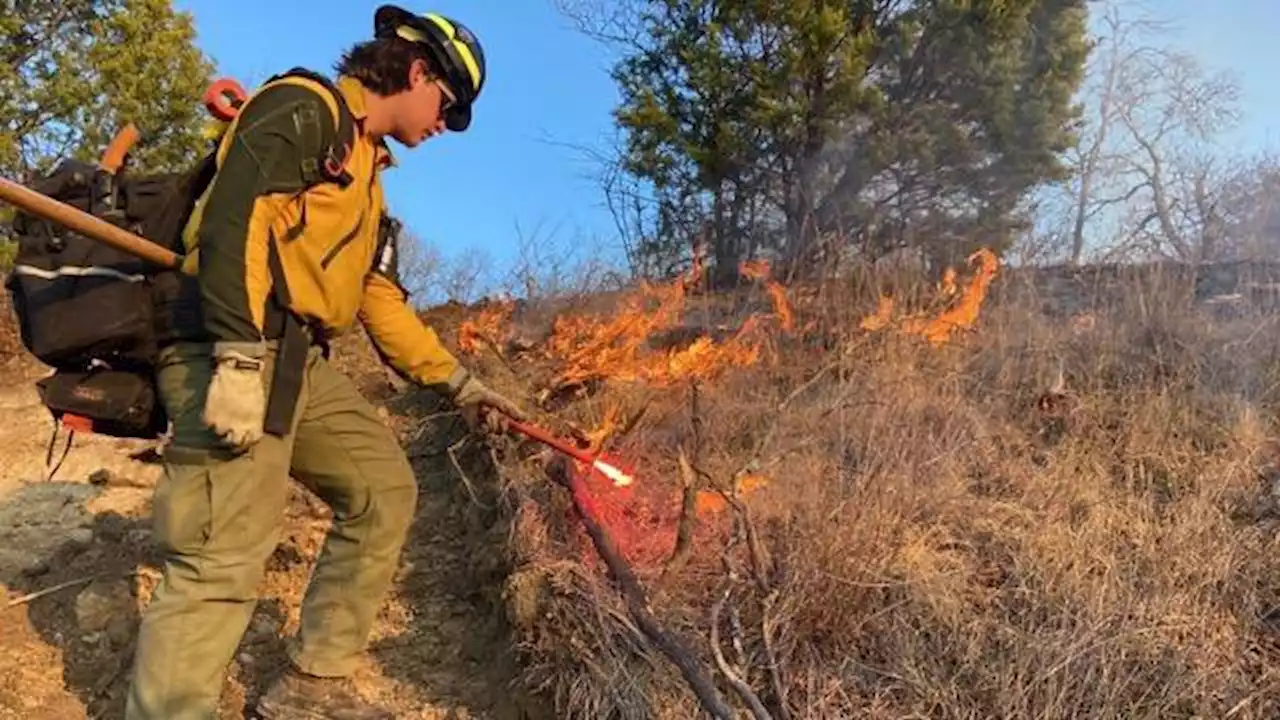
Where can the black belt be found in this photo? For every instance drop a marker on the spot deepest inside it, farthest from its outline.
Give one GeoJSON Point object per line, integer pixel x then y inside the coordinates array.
{"type": "Point", "coordinates": [295, 340]}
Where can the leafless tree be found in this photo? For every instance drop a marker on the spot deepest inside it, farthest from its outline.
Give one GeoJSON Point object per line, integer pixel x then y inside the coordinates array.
{"type": "Point", "coordinates": [465, 278]}
{"type": "Point", "coordinates": [431, 278]}
{"type": "Point", "coordinates": [420, 266]}
{"type": "Point", "coordinates": [1151, 177]}
{"type": "Point", "coordinates": [1172, 110]}
{"type": "Point", "coordinates": [1248, 205]}
{"type": "Point", "coordinates": [549, 265]}
{"type": "Point", "coordinates": [611, 22]}
{"type": "Point", "coordinates": [1096, 160]}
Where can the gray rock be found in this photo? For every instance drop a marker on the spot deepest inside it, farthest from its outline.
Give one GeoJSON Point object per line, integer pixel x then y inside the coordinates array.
{"type": "Point", "coordinates": [102, 602]}
{"type": "Point", "coordinates": [80, 538]}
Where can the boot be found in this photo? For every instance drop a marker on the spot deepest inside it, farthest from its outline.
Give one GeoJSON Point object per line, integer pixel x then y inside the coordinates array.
{"type": "Point", "coordinates": [297, 696]}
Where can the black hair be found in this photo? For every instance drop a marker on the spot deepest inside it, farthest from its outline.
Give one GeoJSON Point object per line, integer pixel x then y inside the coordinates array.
{"type": "Point", "coordinates": [382, 65]}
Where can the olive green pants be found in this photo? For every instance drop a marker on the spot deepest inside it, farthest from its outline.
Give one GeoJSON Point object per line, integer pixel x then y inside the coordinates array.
{"type": "Point", "coordinates": [217, 519]}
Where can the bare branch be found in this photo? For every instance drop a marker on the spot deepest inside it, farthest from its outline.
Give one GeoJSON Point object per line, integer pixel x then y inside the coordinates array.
{"type": "Point", "coordinates": [694, 672]}
{"type": "Point", "coordinates": [1155, 114]}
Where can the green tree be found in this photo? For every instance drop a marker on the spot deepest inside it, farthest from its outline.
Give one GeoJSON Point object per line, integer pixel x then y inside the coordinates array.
{"type": "Point", "coordinates": [73, 72]}
{"type": "Point", "coordinates": [812, 127]}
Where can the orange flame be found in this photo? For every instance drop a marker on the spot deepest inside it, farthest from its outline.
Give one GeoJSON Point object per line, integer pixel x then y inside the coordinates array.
{"type": "Point", "coordinates": [947, 286]}
{"type": "Point", "coordinates": [590, 348]}
{"type": "Point", "coordinates": [961, 315]}
{"type": "Point", "coordinates": [964, 313]}
{"type": "Point", "coordinates": [597, 437]}
{"type": "Point", "coordinates": [708, 502]}
{"type": "Point", "coordinates": [593, 347]}
{"type": "Point", "coordinates": [881, 317]}
{"type": "Point", "coordinates": [586, 348]}
{"type": "Point", "coordinates": [486, 327]}
{"type": "Point", "coordinates": [760, 270]}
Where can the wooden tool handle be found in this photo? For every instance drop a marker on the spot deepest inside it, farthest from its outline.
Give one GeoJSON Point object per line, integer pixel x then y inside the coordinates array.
{"type": "Point", "coordinates": [87, 225]}
{"type": "Point", "coordinates": [120, 146]}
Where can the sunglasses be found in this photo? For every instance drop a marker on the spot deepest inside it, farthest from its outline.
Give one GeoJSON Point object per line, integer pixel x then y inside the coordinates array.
{"type": "Point", "coordinates": [447, 100]}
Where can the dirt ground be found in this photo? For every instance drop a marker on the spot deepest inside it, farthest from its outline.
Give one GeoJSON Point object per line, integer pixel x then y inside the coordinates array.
{"type": "Point", "coordinates": [440, 646]}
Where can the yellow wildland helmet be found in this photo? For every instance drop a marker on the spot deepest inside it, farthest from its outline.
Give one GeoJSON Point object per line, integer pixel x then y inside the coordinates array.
{"type": "Point", "coordinates": [455, 49]}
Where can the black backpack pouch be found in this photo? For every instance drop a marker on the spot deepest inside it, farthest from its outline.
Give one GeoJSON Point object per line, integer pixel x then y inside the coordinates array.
{"type": "Point", "coordinates": [118, 403]}
{"type": "Point", "coordinates": [79, 300]}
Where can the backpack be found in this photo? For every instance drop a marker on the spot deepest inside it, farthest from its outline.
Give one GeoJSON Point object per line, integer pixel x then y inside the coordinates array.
{"type": "Point", "coordinates": [97, 315]}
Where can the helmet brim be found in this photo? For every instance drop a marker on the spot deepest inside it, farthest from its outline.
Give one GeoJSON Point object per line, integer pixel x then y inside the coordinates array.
{"type": "Point", "coordinates": [458, 118]}
{"type": "Point", "coordinates": [387, 18]}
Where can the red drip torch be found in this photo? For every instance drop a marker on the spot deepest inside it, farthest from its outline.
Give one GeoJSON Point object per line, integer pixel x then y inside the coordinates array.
{"type": "Point", "coordinates": [542, 435]}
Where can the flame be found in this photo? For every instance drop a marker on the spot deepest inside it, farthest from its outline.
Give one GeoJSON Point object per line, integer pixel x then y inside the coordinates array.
{"type": "Point", "coordinates": [704, 359]}
{"type": "Point", "coordinates": [881, 317]}
{"type": "Point", "coordinates": [961, 315]}
{"type": "Point", "coordinates": [760, 270]}
{"type": "Point", "coordinates": [754, 269]}
{"type": "Point", "coordinates": [486, 327]}
{"type": "Point", "coordinates": [964, 313]}
{"type": "Point", "coordinates": [616, 347]}
{"type": "Point", "coordinates": [947, 286]}
{"type": "Point", "coordinates": [597, 437]}
{"type": "Point", "coordinates": [615, 475]}
{"type": "Point", "coordinates": [595, 348]}
{"type": "Point", "coordinates": [708, 502]}
{"type": "Point", "coordinates": [587, 348]}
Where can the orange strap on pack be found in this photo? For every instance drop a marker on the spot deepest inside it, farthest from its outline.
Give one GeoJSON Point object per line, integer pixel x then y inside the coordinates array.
{"type": "Point", "coordinates": [113, 157]}
{"type": "Point", "coordinates": [224, 98]}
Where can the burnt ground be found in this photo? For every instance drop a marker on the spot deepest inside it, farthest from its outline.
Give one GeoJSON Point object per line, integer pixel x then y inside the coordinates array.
{"type": "Point", "coordinates": [440, 649]}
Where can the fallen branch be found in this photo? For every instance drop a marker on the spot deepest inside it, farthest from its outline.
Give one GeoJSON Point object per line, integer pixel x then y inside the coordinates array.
{"type": "Point", "coordinates": [29, 597]}
{"type": "Point", "coordinates": [771, 655]}
{"type": "Point", "coordinates": [689, 497]}
{"type": "Point", "coordinates": [693, 671]}
{"type": "Point", "coordinates": [740, 686]}
{"type": "Point", "coordinates": [688, 516]}
{"type": "Point", "coordinates": [466, 480]}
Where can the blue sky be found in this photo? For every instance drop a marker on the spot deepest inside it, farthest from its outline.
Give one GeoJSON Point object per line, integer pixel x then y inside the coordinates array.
{"type": "Point", "coordinates": [1237, 36]}
{"type": "Point", "coordinates": [549, 88]}
{"type": "Point", "coordinates": [509, 173]}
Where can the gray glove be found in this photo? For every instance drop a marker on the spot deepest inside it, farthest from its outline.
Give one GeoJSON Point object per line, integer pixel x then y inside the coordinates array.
{"type": "Point", "coordinates": [478, 401]}
{"type": "Point", "coordinates": [236, 407]}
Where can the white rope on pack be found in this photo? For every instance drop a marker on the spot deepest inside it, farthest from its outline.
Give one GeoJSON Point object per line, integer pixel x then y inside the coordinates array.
{"type": "Point", "coordinates": [76, 271]}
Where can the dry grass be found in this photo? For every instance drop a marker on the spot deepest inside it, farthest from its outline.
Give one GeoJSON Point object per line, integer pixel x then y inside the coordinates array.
{"type": "Point", "coordinates": [945, 538]}
{"type": "Point", "coordinates": [942, 536]}
{"type": "Point", "coordinates": [10, 338]}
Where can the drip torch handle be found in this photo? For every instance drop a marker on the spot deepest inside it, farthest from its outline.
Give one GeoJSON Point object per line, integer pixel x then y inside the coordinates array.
{"type": "Point", "coordinates": [533, 432]}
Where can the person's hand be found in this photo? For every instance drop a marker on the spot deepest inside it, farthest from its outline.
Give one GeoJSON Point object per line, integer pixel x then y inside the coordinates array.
{"type": "Point", "coordinates": [482, 408]}
{"type": "Point", "coordinates": [237, 404]}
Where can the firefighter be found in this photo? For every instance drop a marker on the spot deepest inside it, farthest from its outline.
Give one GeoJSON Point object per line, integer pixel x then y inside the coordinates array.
{"type": "Point", "coordinates": [289, 246]}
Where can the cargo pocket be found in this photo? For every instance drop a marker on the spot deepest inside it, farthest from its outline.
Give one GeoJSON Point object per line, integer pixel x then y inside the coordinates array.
{"type": "Point", "coordinates": [183, 374]}
{"type": "Point", "coordinates": [182, 509]}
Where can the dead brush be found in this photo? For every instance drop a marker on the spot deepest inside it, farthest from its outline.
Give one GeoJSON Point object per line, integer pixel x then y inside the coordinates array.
{"type": "Point", "coordinates": [10, 337]}
{"type": "Point", "coordinates": [930, 538]}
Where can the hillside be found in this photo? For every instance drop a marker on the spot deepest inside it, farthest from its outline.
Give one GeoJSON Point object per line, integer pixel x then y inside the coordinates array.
{"type": "Point", "coordinates": [1066, 510]}
{"type": "Point", "coordinates": [439, 649]}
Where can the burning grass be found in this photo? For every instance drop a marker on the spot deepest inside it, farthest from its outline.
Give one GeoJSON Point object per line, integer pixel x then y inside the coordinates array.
{"type": "Point", "coordinates": [1033, 517]}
